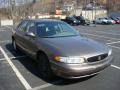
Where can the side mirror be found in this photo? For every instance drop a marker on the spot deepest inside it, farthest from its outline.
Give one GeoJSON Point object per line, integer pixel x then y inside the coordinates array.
{"type": "Point", "coordinates": [30, 34]}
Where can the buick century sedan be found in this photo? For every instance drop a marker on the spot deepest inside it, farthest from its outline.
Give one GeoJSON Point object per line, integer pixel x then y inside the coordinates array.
{"type": "Point", "coordinates": [60, 50]}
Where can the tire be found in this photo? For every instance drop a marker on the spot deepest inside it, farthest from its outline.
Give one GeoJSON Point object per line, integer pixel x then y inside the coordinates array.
{"type": "Point", "coordinates": [103, 23]}
{"type": "Point", "coordinates": [94, 22]}
{"type": "Point", "coordinates": [71, 24]}
{"type": "Point", "coordinates": [15, 45]}
{"type": "Point", "coordinates": [44, 67]}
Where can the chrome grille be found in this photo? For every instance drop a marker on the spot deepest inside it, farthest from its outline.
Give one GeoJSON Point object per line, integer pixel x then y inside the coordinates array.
{"type": "Point", "coordinates": [97, 58]}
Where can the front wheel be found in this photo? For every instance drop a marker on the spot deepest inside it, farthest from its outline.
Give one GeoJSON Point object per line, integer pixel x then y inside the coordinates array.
{"type": "Point", "coordinates": [71, 24]}
{"type": "Point", "coordinates": [15, 45]}
{"type": "Point", "coordinates": [44, 67]}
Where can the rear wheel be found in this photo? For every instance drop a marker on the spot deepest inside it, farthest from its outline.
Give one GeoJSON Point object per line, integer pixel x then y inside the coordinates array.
{"type": "Point", "coordinates": [44, 67]}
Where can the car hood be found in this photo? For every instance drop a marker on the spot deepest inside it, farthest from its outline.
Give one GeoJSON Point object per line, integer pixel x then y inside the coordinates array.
{"type": "Point", "coordinates": [76, 46]}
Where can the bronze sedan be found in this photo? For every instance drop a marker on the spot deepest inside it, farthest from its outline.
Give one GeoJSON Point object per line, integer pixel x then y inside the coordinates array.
{"type": "Point", "coordinates": [60, 50]}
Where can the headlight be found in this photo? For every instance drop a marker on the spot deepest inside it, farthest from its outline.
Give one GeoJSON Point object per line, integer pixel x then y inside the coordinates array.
{"type": "Point", "coordinates": [110, 52]}
{"type": "Point", "coordinates": [70, 60]}
{"type": "Point", "coordinates": [74, 21]}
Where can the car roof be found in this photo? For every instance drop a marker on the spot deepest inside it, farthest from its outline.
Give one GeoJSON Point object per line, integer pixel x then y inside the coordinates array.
{"type": "Point", "coordinates": [43, 20]}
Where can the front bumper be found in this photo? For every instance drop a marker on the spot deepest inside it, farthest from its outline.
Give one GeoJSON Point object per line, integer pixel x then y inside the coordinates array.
{"type": "Point", "coordinates": [80, 70]}
{"type": "Point", "coordinates": [76, 23]}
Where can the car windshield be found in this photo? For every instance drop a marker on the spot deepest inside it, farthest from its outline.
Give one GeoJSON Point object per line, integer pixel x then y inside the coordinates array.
{"type": "Point", "coordinates": [73, 18]}
{"type": "Point", "coordinates": [118, 18]}
{"type": "Point", "coordinates": [108, 18]}
{"type": "Point", "coordinates": [81, 17]}
{"type": "Point", "coordinates": [55, 29]}
{"type": "Point", "coordinates": [114, 18]}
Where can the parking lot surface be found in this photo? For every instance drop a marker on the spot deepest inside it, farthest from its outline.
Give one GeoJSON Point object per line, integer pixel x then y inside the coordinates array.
{"type": "Point", "coordinates": [18, 71]}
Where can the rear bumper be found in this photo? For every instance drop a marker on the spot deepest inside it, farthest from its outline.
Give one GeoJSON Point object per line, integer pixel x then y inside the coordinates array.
{"type": "Point", "coordinates": [72, 71]}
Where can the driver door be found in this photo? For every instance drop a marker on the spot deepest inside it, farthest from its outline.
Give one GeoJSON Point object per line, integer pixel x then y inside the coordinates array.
{"type": "Point", "coordinates": [30, 42]}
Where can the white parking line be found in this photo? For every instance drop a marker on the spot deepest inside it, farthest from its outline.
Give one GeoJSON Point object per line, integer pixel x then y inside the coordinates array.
{"type": "Point", "coordinates": [49, 84]}
{"type": "Point", "coordinates": [2, 59]}
{"type": "Point", "coordinates": [113, 42]}
{"type": "Point", "coordinates": [18, 74]}
{"type": "Point", "coordinates": [114, 47]}
{"type": "Point", "coordinates": [6, 41]}
{"type": "Point", "coordinates": [101, 36]}
{"type": "Point", "coordinates": [22, 79]}
{"type": "Point", "coordinates": [46, 85]}
{"type": "Point", "coordinates": [103, 32]}
{"type": "Point", "coordinates": [115, 67]}
{"type": "Point", "coordinates": [109, 44]}
{"type": "Point", "coordinates": [108, 33]}
{"type": "Point", "coordinates": [109, 40]}
{"type": "Point", "coordinates": [4, 30]}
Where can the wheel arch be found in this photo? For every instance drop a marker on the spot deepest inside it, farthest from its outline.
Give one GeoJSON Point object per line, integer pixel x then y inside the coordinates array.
{"type": "Point", "coordinates": [40, 52]}
{"type": "Point", "coordinates": [13, 38]}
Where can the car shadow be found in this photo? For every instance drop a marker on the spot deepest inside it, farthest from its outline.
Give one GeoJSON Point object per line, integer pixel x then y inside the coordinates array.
{"type": "Point", "coordinates": [31, 66]}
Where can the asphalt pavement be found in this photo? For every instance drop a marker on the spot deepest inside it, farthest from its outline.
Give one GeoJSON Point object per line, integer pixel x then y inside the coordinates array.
{"type": "Point", "coordinates": [19, 72]}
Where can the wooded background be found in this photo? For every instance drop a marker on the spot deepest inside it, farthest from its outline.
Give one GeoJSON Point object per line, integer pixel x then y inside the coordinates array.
{"type": "Point", "coordinates": [48, 6]}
